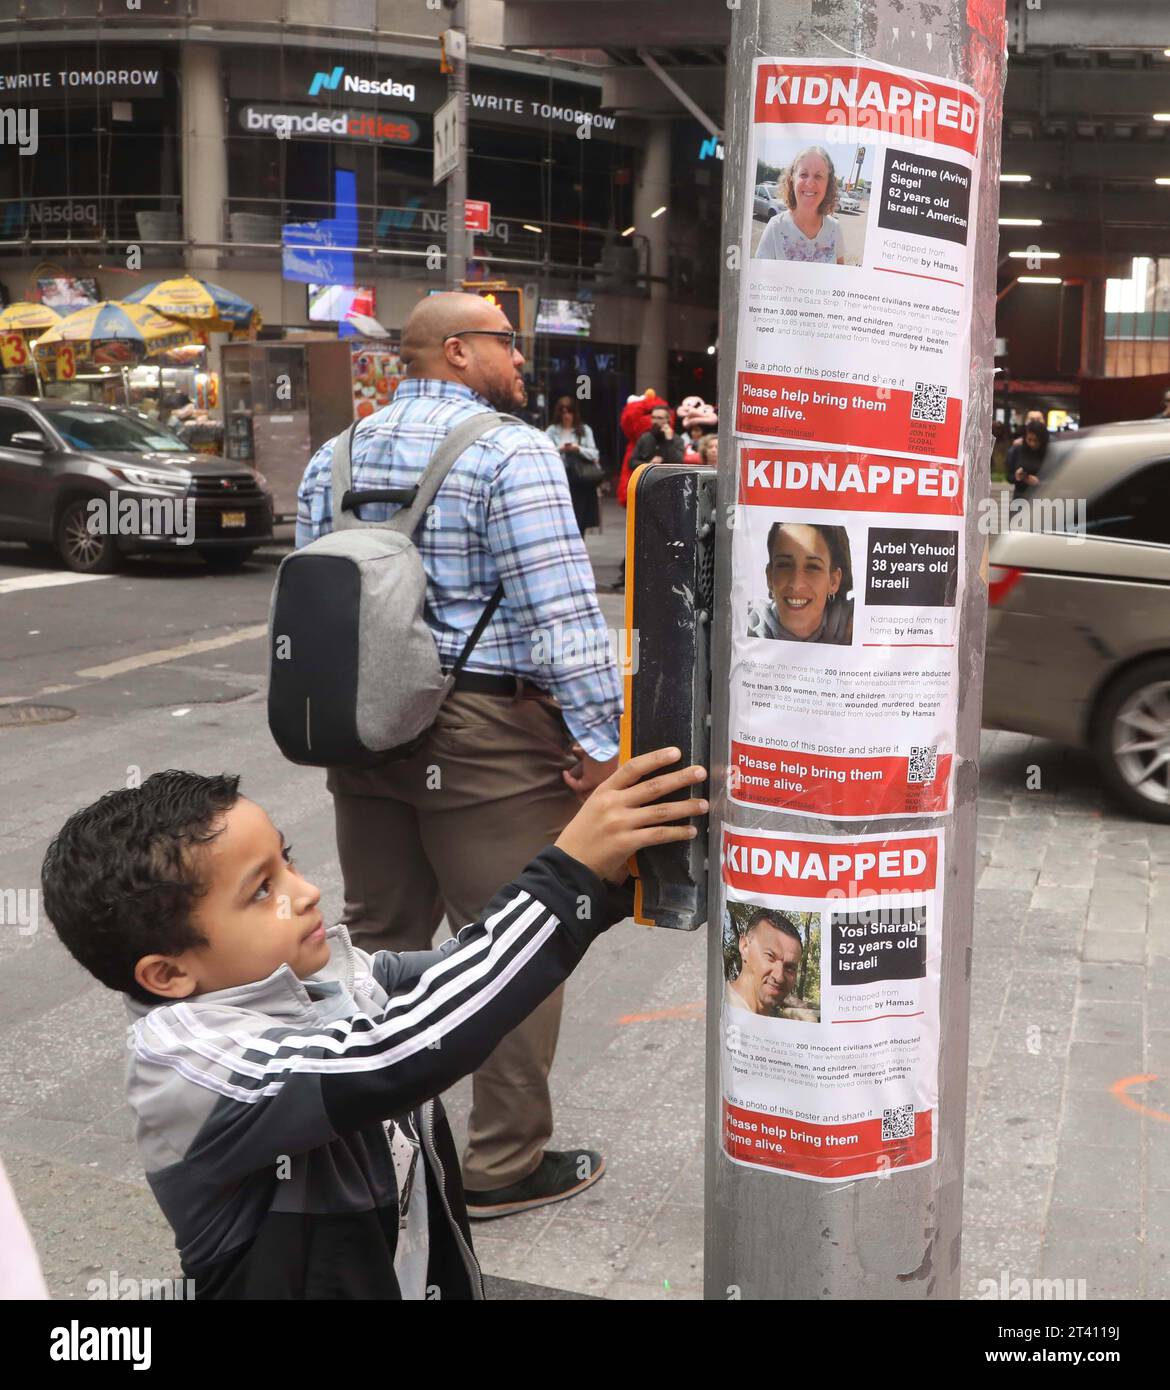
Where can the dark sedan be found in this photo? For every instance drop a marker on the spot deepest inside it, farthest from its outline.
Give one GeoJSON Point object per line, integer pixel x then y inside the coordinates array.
{"type": "Point", "coordinates": [94, 483]}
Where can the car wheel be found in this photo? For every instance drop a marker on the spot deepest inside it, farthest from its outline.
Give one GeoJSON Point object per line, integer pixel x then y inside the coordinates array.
{"type": "Point", "coordinates": [229, 558]}
{"type": "Point", "coordinates": [81, 550]}
{"type": "Point", "coordinates": [1132, 740]}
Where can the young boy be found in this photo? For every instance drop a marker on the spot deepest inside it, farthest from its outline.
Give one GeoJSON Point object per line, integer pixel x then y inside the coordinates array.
{"type": "Point", "coordinates": [285, 1083]}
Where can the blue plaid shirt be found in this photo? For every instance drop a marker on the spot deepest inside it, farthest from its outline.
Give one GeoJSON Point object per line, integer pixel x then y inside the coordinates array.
{"type": "Point", "coordinates": [503, 513]}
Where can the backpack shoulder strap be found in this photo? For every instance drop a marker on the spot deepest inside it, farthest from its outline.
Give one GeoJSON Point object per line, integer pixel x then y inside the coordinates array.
{"type": "Point", "coordinates": [457, 440]}
{"type": "Point", "coordinates": [342, 476]}
{"type": "Point", "coordinates": [414, 500]}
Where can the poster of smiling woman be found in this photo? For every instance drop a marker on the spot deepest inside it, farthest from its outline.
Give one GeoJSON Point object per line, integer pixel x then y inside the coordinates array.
{"type": "Point", "coordinates": [844, 601]}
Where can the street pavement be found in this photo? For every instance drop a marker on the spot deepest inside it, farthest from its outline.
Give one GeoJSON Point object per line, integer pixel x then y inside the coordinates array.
{"type": "Point", "coordinates": [1068, 1152]}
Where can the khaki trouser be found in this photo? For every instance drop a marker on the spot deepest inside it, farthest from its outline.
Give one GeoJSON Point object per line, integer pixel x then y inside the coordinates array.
{"type": "Point", "coordinates": [442, 832]}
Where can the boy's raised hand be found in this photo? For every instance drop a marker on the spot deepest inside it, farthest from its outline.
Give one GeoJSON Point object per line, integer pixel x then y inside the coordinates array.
{"type": "Point", "coordinates": [626, 814]}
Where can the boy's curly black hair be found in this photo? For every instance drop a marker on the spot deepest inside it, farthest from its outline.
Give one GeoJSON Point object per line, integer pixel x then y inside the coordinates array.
{"type": "Point", "coordinates": [121, 877]}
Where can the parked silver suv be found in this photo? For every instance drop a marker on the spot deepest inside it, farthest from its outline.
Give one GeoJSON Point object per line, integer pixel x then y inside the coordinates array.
{"type": "Point", "coordinates": [1078, 636]}
{"type": "Point", "coordinates": [93, 483]}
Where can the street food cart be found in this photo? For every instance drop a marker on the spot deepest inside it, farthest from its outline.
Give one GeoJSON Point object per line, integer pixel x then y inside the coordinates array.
{"type": "Point", "coordinates": [87, 354]}
{"type": "Point", "coordinates": [281, 401]}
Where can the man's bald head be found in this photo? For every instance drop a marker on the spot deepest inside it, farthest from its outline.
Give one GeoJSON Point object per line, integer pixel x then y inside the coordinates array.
{"type": "Point", "coordinates": [481, 358]}
{"type": "Point", "coordinates": [437, 316]}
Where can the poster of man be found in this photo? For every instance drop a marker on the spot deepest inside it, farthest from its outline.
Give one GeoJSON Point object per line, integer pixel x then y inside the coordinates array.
{"type": "Point", "coordinates": [772, 962]}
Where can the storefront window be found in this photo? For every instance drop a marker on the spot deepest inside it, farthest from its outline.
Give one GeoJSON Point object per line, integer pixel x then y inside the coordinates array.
{"type": "Point", "coordinates": [107, 156]}
{"type": "Point", "coordinates": [1137, 320]}
{"type": "Point", "coordinates": [375, 119]}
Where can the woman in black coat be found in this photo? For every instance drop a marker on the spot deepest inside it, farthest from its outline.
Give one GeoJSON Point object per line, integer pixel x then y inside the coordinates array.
{"type": "Point", "coordinates": [1026, 459]}
{"type": "Point", "coordinates": [575, 441]}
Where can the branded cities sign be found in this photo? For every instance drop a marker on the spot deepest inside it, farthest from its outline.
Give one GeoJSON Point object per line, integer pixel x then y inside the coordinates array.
{"type": "Point", "coordinates": [284, 121]}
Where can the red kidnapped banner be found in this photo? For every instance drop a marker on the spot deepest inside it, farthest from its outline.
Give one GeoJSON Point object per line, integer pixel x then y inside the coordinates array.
{"type": "Point", "coordinates": [838, 95]}
{"type": "Point", "coordinates": [824, 786]}
{"type": "Point", "coordinates": [822, 1151]}
{"type": "Point", "coordinates": [792, 868]}
{"type": "Point", "coordinates": [833, 412]}
{"type": "Point", "coordinates": [812, 478]}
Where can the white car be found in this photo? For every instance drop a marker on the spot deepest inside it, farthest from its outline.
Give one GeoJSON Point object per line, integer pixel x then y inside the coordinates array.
{"type": "Point", "coordinates": [764, 203]}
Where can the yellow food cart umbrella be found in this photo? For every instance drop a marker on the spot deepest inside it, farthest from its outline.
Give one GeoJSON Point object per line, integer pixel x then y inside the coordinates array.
{"type": "Point", "coordinates": [203, 305]}
{"type": "Point", "coordinates": [146, 331]}
{"type": "Point", "coordinates": [23, 317]}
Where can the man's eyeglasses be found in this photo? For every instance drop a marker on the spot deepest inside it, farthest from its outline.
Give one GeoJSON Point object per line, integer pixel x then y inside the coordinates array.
{"type": "Point", "coordinates": [507, 333]}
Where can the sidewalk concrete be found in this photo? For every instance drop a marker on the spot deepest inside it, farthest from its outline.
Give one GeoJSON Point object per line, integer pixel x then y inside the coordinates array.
{"type": "Point", "coordinates": [1068, 1161]}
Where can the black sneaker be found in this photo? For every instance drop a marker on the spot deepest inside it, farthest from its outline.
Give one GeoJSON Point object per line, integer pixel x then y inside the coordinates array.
{"type": "Point", "coordinates": [558, 1176]}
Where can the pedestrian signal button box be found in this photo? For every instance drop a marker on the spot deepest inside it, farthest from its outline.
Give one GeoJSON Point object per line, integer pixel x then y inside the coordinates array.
{"type": "Point", "coordinates": [670, 590]}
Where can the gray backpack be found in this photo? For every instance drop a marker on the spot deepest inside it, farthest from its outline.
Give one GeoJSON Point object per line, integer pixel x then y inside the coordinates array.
{"type": "Point", "coordinates": [354, 676]}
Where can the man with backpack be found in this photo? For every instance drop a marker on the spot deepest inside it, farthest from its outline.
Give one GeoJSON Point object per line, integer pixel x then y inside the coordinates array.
{"type": "Point", "coordinates": [530, 726]}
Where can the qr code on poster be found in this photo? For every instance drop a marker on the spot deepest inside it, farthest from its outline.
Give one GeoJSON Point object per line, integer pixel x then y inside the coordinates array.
{"type": "Point", "coordinates": [923, 764]}
{"type": "Point", "coordinates": [929, 403]}
{"type": "Point", "coordinates": [898, 1122]}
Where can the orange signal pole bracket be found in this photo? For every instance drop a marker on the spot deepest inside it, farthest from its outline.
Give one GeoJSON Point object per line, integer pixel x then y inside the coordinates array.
{"type": "Point", "coordinates": [625, 752]}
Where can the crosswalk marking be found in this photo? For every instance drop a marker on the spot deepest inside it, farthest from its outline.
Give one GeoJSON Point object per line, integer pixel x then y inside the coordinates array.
{"type": "Point", "coordinates": [156, 658]}
{"type": "Point", "coordinates": [46, 581]}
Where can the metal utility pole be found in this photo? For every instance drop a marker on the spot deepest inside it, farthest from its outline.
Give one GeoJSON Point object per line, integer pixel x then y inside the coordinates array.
{"type": "Point", "coordinates": [458, 238]}
{"type": "Point", "coordinates": [774, 1231]}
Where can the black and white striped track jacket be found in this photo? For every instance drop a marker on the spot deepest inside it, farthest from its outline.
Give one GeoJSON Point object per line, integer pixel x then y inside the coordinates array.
{"type": "Point", "coordinates": [260, 1107]}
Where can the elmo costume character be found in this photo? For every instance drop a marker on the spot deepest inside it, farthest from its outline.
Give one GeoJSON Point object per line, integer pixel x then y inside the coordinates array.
{"type": "Point", "coordinates": [635, 421]}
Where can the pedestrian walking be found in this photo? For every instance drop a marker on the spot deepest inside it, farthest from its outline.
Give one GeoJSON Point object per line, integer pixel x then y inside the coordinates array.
{"type": "Point", "coordinates": [529, 730]}
{"type": "Point", "coordinates": [1034, 419]}
{"type": "Point", "coordinates": [660, 443]}
{"type": "Point", "coordinates": [696, 419]}
{"type": "Point", "coordinates": [574, 439]}
{"type": "Point", "coordinates": [1027, 459]}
